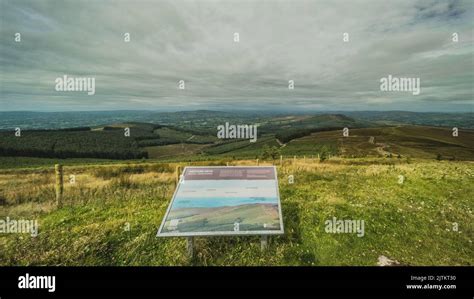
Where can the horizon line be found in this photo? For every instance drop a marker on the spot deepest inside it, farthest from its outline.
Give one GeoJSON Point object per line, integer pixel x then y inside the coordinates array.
{"type": "Point", "coordinates": [227, 110]}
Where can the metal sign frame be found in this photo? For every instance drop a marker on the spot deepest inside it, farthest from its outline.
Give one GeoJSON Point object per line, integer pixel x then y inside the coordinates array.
{"type": "Point", "coordinates": [226, 233]}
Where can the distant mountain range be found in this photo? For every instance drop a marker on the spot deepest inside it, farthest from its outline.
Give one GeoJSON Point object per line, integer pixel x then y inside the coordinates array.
{"type": "Point", "coordinates": [209, 118]}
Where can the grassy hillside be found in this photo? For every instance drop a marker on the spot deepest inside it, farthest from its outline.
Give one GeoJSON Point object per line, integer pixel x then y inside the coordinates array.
{"type": "Point", "coordinates": [173, 150]}
{"type": "Point", "coordinates": [223, 218]}
{"type": "Point", "coordinates": [413, 222]}
{"type": "Point", "coordinates": [396, 142]}
{"type": "Point", "coordinates": [406, 141]}
{"type": "Point", "coordinates": [242, 148]}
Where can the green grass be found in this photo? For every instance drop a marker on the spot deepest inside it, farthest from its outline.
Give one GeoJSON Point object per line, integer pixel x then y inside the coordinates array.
{"type": "Point", "coordinates": [410, 222]}
{"type": "Point", "coordinates": [173, 150]}
{"type": "Point", "coordinates": [242, 148]}
{"type": "Point", "coordinates": [31, 162]}
{"type": "Point", "coordinates": [182, 136]}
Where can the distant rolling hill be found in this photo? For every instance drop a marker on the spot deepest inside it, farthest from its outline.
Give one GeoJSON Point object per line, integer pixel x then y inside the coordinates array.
{"type": "Point", "coordinates": [193, 134]}
{"type": "Point", "coordinates": [408, 141]}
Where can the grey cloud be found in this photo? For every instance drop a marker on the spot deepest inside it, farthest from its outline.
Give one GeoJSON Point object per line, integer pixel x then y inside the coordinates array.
{"type": "Point", "coordinates": [193, 41]}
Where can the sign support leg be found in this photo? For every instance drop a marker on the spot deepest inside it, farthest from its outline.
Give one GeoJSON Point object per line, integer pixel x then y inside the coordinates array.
{"type": "Point", "coordinates": [190, 247]}
{"type": "Point", "coordinates": [263, 242]}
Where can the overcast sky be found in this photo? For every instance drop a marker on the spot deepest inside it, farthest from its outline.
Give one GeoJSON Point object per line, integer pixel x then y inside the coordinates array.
{"type": "Point", "coordinates": [194, 41]}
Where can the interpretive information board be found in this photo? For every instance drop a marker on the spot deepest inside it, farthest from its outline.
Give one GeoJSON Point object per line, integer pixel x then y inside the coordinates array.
{"type": "Point", "coordinates": [225, 200]}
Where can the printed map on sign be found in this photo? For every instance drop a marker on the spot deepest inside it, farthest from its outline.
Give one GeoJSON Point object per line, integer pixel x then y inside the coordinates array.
{"type": "Point", "coordinates": [224, 201]}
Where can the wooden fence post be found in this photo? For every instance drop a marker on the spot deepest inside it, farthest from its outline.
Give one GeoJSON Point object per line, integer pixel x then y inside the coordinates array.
{"type": "Point", "coordinates": [177, 174]}
{"type": "Point", "coordinates": [281, 159]}
{"type": "Point", "coordinates": [58, 168]}
{"type": "Point", "coordinates": [257, 162]}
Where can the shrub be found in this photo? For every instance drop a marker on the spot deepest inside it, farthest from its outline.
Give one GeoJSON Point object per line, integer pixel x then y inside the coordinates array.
{"type": "Point", "coordinates": [270, 152]}
{"type": "Point", "coordinates": [123, 181]}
